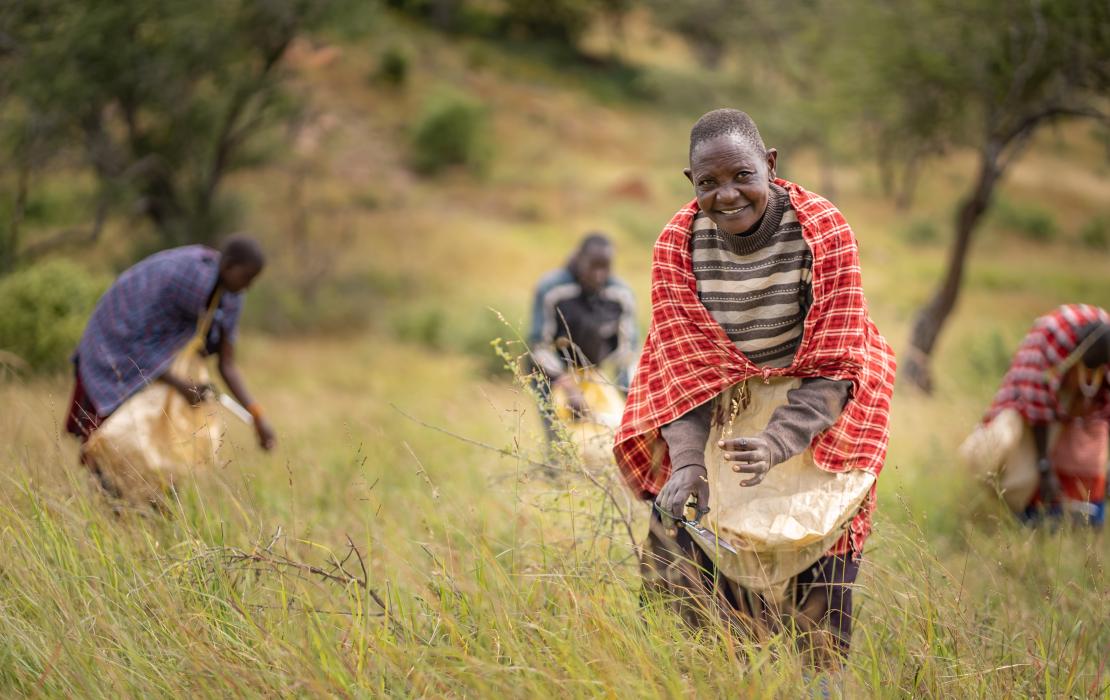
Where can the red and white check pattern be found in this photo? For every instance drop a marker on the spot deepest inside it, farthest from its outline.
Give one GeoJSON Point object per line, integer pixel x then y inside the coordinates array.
{"type": "Point", "coordinates": [1031, 385]}
{"type": "Point", "coordinates": [688, 359]}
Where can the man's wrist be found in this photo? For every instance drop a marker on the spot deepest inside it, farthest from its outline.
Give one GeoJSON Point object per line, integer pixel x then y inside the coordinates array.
{"type": "Point", "coordinates": [691, 464]}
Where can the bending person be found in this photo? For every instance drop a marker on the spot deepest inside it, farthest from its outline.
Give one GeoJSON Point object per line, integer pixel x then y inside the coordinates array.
{"type": "Point", "coordinates": [149, 315]}
{"type": "Point", "coordinates": [1047, 431]}
{"type": "Point", "coordinates": [763, 385]}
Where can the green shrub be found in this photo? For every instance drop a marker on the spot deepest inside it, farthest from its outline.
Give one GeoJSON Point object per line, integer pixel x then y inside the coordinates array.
{"type": "Point", "coordinates": [451, 130]}
{"type": "Point", "coordinates": [1029, 222]}
{"type": "Point", "coordinates": [560, 21]}
{"type": "Point", "coordinates": [1095, 234]}
{"type": "Point", "coordinates": [393, 67]}
{"type": "Point", "coordinates": [472, 334]}
{"type": "Point", "coordinates": [422, 326]}
{"type": "Point", "coordinates": [43, 311]}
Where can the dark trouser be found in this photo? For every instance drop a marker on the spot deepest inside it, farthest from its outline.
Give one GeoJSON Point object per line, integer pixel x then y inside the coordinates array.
{"type": "Point", "coordinates": [82, 418]}
{"type": "Point", "coordinates": [817, 604]}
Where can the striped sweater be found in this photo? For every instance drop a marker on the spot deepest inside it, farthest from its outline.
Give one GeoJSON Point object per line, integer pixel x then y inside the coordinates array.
{"type": "Point", "coordinates": [759, 287]}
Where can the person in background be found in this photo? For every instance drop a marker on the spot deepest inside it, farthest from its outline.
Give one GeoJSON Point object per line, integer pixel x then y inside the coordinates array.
{"type": "Point", "coordinates": [1057, 385]}
{"type": "Point", "coordinates": [758, 320]}
{"type": "Point", "coordinates": [149, 315]}
{"type": "Point", "coordinates": [582, 317]}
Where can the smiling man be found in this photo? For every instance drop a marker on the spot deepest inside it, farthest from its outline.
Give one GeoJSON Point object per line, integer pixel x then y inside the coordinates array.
{"type": "Point", "coordinates": [763, 391]}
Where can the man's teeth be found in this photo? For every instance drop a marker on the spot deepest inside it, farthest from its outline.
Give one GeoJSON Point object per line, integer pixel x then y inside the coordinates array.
{"type": "Point", "coordinates": [730, 212]}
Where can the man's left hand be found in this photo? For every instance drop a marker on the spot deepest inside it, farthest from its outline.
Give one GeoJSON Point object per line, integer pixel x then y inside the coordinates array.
{"type": "Point", "coordinates": [266, 436]}
{"type": "Point", "coordinates": [749, 455]}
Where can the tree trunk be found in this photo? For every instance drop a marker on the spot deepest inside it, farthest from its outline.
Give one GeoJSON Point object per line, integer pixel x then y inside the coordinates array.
{"type": "Point", "coordinates": [9, 248]}
{"type": "Point", "coordinates": [903, 200]}
{"type": "Point", "coordinates": [931, 318]}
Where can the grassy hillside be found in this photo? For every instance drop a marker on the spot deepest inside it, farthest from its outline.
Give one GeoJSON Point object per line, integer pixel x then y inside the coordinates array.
{"type": "Point", "coordinates": [482, 578]}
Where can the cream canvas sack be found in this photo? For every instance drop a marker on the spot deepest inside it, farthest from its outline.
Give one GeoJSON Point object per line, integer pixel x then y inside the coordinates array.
{"type": "Point", "coordinates": [1003, 454]}
{"type": "Point", "coordinates": [155, 438]}
{"type": "Point", "coordinates": [784, 524]}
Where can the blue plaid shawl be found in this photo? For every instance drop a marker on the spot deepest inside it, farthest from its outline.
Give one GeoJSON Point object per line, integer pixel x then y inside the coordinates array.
{"type": "Point", "coordinates": [146, 318]}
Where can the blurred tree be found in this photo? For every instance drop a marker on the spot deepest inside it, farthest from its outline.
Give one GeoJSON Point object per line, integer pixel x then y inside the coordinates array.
{"type": "Point", "coordinates": [708, 27]}
{"type": "Point", "coordinates": [157, 98]}
{"type": "Point", "coordinates": [555, 22]}
{"type": "Point", "coordinates": [560, 21]}
{"type": "Point", "coordinates": [979, 74]}
{"type": "Point", "coordinates": [780, 54]}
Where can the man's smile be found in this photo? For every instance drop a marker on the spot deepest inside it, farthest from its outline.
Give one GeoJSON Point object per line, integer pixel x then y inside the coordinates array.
{"type": "Point", "coordinates": [731, 212]}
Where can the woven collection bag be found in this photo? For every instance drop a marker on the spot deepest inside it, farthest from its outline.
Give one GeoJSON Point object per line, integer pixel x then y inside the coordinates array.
{"type": "Point", "coordinates": [156, 438]}
{"type": "Point", "coordinates": [788, 521]}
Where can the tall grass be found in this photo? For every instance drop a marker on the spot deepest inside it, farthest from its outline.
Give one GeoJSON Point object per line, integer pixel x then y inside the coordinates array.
{"type": "Point", "coordinates": [467, 573]}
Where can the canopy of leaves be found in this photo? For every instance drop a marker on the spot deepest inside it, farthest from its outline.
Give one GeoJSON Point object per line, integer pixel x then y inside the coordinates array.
{"type": "Point", "coordinates": [156, 97]}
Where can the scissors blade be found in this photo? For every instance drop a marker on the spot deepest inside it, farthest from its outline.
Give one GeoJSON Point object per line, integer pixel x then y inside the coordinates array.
{"type": "Point", "coordinates": [708, 536]}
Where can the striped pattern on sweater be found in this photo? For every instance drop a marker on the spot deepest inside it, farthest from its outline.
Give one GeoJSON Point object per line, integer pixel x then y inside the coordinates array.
{"type": "Point", "coordinates": [758, 286]}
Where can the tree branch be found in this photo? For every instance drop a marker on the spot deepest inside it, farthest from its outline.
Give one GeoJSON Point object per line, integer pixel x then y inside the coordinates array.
{"type": "Point", "coordinates": [233, 131]}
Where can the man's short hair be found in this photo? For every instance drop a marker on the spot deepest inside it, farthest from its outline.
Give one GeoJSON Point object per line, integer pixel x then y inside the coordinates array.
{"type": "Point", "coordinates": [241, 249]}
{"type": "Point", "coordinates": [591, 240]}
{"type": "Point", "coordinates": [721, 122]}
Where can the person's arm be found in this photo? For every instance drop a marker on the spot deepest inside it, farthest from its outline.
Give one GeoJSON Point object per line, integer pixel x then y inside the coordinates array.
{"type": "Point", "coordinates": [542, 336]}
{"type": "Point", "coordinates": [810, 408]}
{"type": "Point", "coordinates": [229, 370]}
{"type": "Point", "coordinates": [544, 354]}
{"type": "Point", "coordinates": [1049, 483]}
{"type": "Point", "coordinates": [686, 437]}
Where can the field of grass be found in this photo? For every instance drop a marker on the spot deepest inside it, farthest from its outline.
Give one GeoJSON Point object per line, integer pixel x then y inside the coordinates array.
{"type": "Point", "coordinates": [401, 541]}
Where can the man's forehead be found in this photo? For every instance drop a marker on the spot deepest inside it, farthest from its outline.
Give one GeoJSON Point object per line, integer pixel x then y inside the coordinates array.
{"type": "Point", "coordinates": [598, 252]}
{"type": "Point", "coordinates": [732, 146]}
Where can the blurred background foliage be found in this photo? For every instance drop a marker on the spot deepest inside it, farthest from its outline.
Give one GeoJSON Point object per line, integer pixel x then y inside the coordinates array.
{"type": "Point", "coordinates": [146, 112]}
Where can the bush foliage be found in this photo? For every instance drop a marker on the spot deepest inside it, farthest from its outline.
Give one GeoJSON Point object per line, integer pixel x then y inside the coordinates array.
{"type": "Point", "coordinates": [43, 311]}
{"type": "Point", "coordinates": [450, 131]}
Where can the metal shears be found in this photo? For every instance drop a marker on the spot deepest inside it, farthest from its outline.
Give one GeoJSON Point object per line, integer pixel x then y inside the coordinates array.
{"type": "Point", "coordinates": [696, 530]}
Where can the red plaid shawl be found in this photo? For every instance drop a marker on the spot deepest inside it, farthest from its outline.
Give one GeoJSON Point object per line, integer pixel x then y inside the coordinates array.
{"type": "Point", "coordinates": [688, 359]}
{"type": "Point", "coordinates": [1032, 383]}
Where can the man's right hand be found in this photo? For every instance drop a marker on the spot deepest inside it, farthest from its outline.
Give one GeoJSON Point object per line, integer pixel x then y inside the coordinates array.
{"type": "Point", "coordinates": [691, 479]}
{"type": "Point", "coordinates": [576, 401]}
{"type": "Point", "coordinates": [195, 394]}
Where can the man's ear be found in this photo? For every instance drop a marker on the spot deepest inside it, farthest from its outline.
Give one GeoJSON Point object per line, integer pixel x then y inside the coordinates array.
{"type": "Point", "coordinates": [689, 175]}
{"type": "Point", "coordinates": [772, 161]}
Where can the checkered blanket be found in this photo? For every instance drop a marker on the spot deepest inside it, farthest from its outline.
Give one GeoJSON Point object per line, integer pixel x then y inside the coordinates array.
{"type": "Point", "coordinates": [688, 359]}
{"type": "Point", "coordinates": [145, 318]}
{"type": "Point", "coordinates": [1031, 385]}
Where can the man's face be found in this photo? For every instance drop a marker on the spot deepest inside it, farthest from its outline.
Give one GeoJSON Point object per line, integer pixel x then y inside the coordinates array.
{"type": "Point", "coordinates": [238, 276]}
{"type": "Point", "coordinates": [1098, 354]}
{"type": "Point", "coordinates": [593, 267]}
{"type": "Point", "coordinates": [731, 181]}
